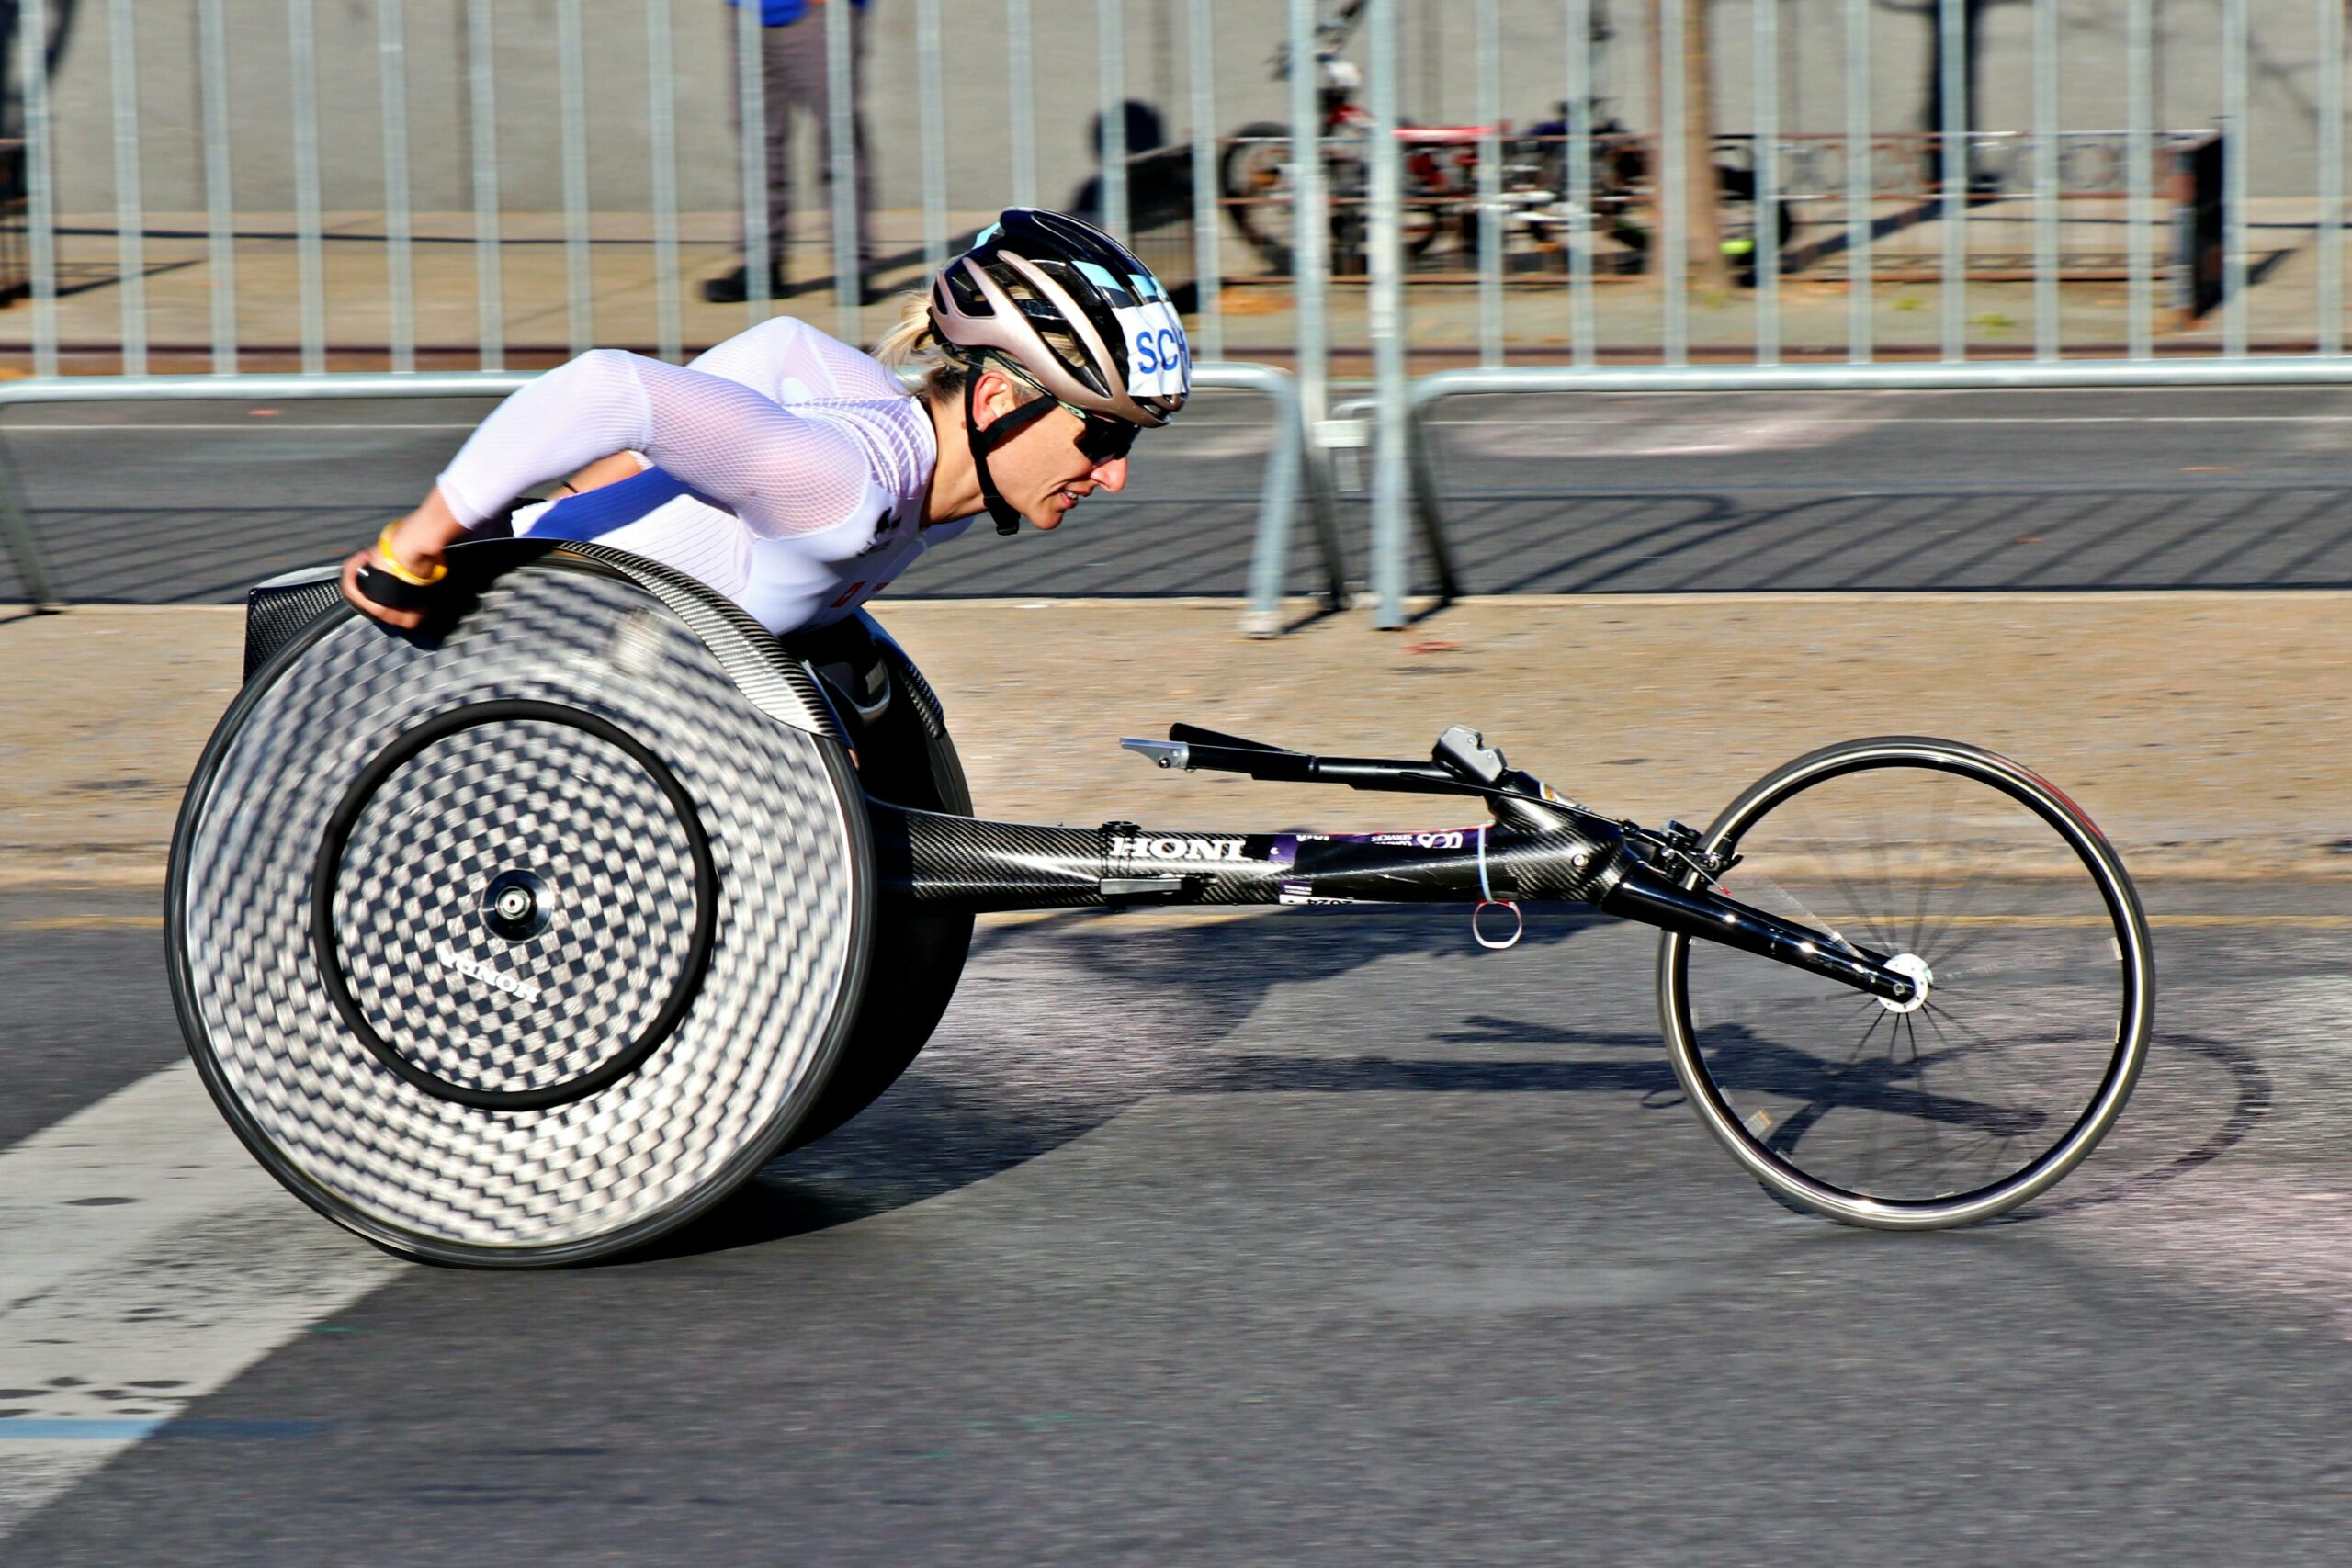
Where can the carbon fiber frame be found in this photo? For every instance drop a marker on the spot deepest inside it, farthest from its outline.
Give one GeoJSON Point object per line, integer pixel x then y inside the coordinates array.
{"type": "Point", "coordinates": [1537, 851]}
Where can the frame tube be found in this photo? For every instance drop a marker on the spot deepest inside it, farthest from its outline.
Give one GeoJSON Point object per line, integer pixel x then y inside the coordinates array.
{"type": "Point", "coordinates": [935, 859]}
{"type": "Point", "coordinates": [1653, 901]}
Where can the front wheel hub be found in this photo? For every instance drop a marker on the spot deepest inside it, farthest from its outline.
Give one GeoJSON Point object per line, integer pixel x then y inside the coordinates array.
{"type": "Point", "coordinates": [1914, 968]}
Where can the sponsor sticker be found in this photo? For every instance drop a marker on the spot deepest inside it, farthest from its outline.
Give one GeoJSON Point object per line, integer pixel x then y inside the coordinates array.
{"type": "Point", "coordinates": [1171, 847]}
{"type": "Point", "coordinates": [474, 969]}
{"type": "Point", "coordinates": [1159, 362]}
{"type": "Point", "coordinates": [1443, 839]}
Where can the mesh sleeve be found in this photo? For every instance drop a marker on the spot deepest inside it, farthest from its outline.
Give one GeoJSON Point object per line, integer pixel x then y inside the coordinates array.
{"type": "Point", "coordinates": [783, 474]}
{"type": "Point", "coordinates": [784, 353]}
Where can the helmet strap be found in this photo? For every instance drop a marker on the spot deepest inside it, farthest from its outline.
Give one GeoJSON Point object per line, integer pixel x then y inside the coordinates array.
{"type": "Point", "coordinates": [985, 441]}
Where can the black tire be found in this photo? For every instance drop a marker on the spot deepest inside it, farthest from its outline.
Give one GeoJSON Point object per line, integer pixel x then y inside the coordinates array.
{"type": "Point", "coordinates": [2024, 1046]}
{"type": "Point", "coordinates": [1250, 172]}
{"type": "Point", "coordinates": [904, 757]}
{"type": "Point", "coordinates": [570, 1070]}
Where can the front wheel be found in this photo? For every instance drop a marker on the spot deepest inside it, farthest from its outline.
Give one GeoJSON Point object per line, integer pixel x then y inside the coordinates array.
{"type": "Point", "coordinates": [2003, 899]}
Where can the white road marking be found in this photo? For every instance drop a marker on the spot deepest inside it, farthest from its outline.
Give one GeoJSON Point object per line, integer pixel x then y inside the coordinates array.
{"type": "Point", "coordinates": [1705, 420]}
{"type": "Point", "coordinates": [148, 1260]}
{"type": "Point", "coordinates": [1642, 434]}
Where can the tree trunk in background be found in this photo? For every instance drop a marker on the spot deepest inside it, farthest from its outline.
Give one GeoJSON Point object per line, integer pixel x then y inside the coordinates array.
{"type": "Point", "coordinates": [1709, 269]}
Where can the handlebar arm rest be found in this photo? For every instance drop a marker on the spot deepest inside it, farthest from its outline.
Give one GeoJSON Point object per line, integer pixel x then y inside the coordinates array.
{"type": "Point", "coordinates": [1297, 767]}
{"type": "Point", "coordinates": [1194, 735]}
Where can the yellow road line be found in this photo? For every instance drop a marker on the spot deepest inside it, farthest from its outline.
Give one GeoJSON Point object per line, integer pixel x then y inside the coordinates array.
{"type": "Point", "coordinates": [1213, 916]}
{"type": "Point", "coordinates": [1199, 917]}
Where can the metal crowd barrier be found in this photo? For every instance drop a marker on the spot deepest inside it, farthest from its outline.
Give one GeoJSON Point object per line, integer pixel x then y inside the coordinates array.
{"type": "Point", "coordinates": [1288, 472]}
{"type": "Point", "coordinates": [1405, 497]}
{"type": "Point", "coordinates": [1295, 472]}
{"type": "Point", "coordinates": [1353, 182]}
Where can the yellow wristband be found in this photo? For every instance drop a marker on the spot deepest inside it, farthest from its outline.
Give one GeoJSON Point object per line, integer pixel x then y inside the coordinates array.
{"type": "Point", "coordinates": [393, 564]}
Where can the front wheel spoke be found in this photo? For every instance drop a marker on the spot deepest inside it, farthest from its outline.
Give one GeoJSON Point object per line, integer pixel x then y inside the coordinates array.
{"type": "Point", "coordinates": [2001, 1140]}
{"type": "Point", "coordinates": [1942, 796]}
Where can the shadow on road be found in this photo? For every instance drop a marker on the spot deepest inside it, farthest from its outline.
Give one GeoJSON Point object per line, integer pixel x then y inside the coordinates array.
{"type": "Point", "coordinates": [1050, 1039]}
{"type": "Point", "coordinates": [1020, 1069]}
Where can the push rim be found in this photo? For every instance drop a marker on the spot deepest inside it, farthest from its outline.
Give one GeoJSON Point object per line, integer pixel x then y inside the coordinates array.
{"type": "Point", "coordinates": [2037, 1020]}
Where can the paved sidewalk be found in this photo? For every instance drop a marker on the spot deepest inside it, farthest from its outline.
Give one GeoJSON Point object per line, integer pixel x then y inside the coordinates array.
{"type": "Point", "coordinates": [2229, 764]}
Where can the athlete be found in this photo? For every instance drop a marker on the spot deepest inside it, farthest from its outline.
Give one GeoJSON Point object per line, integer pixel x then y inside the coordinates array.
{"type": "Point", "coordinates": [799, 476]}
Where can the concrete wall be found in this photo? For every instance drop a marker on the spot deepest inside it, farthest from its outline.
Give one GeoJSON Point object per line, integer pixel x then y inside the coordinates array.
{"type": "Point", "coordinates": [1438, 87]}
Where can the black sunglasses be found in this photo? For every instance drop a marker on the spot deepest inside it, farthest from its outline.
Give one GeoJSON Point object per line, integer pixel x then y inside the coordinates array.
{"type": "Point", "coordinates": [1103, 438]}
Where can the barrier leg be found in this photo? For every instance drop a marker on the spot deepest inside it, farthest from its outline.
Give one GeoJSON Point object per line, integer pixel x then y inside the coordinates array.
{"type": "Point", "coordinates": [17, 522]}
{"type": "Point", "coordinates": [1427, 516]}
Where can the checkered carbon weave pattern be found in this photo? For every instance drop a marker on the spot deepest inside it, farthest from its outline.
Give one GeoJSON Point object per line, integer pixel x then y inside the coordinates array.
{"type": "Point", "coordinates": [412, 1164]}
{"type": "Point", "coordinates": [618, 867]}
{"type": "Point", "coordinates": [781, 688]}
{"type": "Point", "coordinates": [276, 610]}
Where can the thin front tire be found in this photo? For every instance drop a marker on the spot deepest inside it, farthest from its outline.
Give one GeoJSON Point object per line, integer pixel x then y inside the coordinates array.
{"type": "Point", "coordinates": [2040, 986]}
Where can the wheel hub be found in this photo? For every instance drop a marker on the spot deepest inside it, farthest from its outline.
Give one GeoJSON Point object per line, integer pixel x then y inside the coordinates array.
{"type": "Point", "coordinates": [515, 906]}
{"type": "Point", "coordinates": [1914, 968]}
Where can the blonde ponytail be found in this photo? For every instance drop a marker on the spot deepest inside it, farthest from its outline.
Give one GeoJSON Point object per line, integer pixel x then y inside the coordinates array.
{"type": "Point", "coordinates": [910, 346]}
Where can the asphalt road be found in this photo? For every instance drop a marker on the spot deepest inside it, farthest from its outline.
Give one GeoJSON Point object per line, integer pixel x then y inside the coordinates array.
{"type": "Point", "coordinates": [1655, 493]}
{"type": "Point", "coordinates": [1296, 1239]}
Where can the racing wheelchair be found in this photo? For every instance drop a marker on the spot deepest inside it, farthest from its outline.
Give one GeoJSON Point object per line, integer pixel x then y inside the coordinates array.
{"type": "Point", "coordinates": [521, 938]}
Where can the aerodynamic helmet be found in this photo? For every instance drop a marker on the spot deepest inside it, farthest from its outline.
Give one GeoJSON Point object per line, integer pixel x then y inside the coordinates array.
{"type": "Point", "coordinates": [1072, 309]}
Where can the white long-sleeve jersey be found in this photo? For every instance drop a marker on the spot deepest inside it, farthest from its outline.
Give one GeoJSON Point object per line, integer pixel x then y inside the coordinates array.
{"type": "Point", "coordinates": [788, 470]}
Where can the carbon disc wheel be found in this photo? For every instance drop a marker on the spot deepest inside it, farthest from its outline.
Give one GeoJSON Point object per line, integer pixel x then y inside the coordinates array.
{"type": "Point", "coordinates": [2014, 917]}
{"type": "Point", "coordinates": [517, 946]}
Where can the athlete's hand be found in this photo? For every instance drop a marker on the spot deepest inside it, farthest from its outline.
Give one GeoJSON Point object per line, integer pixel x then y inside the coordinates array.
{"type": "Point", "coordinates": [416, 544]}
{"type": "Point", "coordinates": [407, 620]}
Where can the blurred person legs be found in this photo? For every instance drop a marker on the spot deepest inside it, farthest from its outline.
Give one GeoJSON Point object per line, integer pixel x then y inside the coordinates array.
{"type": "Point", "coordinates": [793, 80]}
